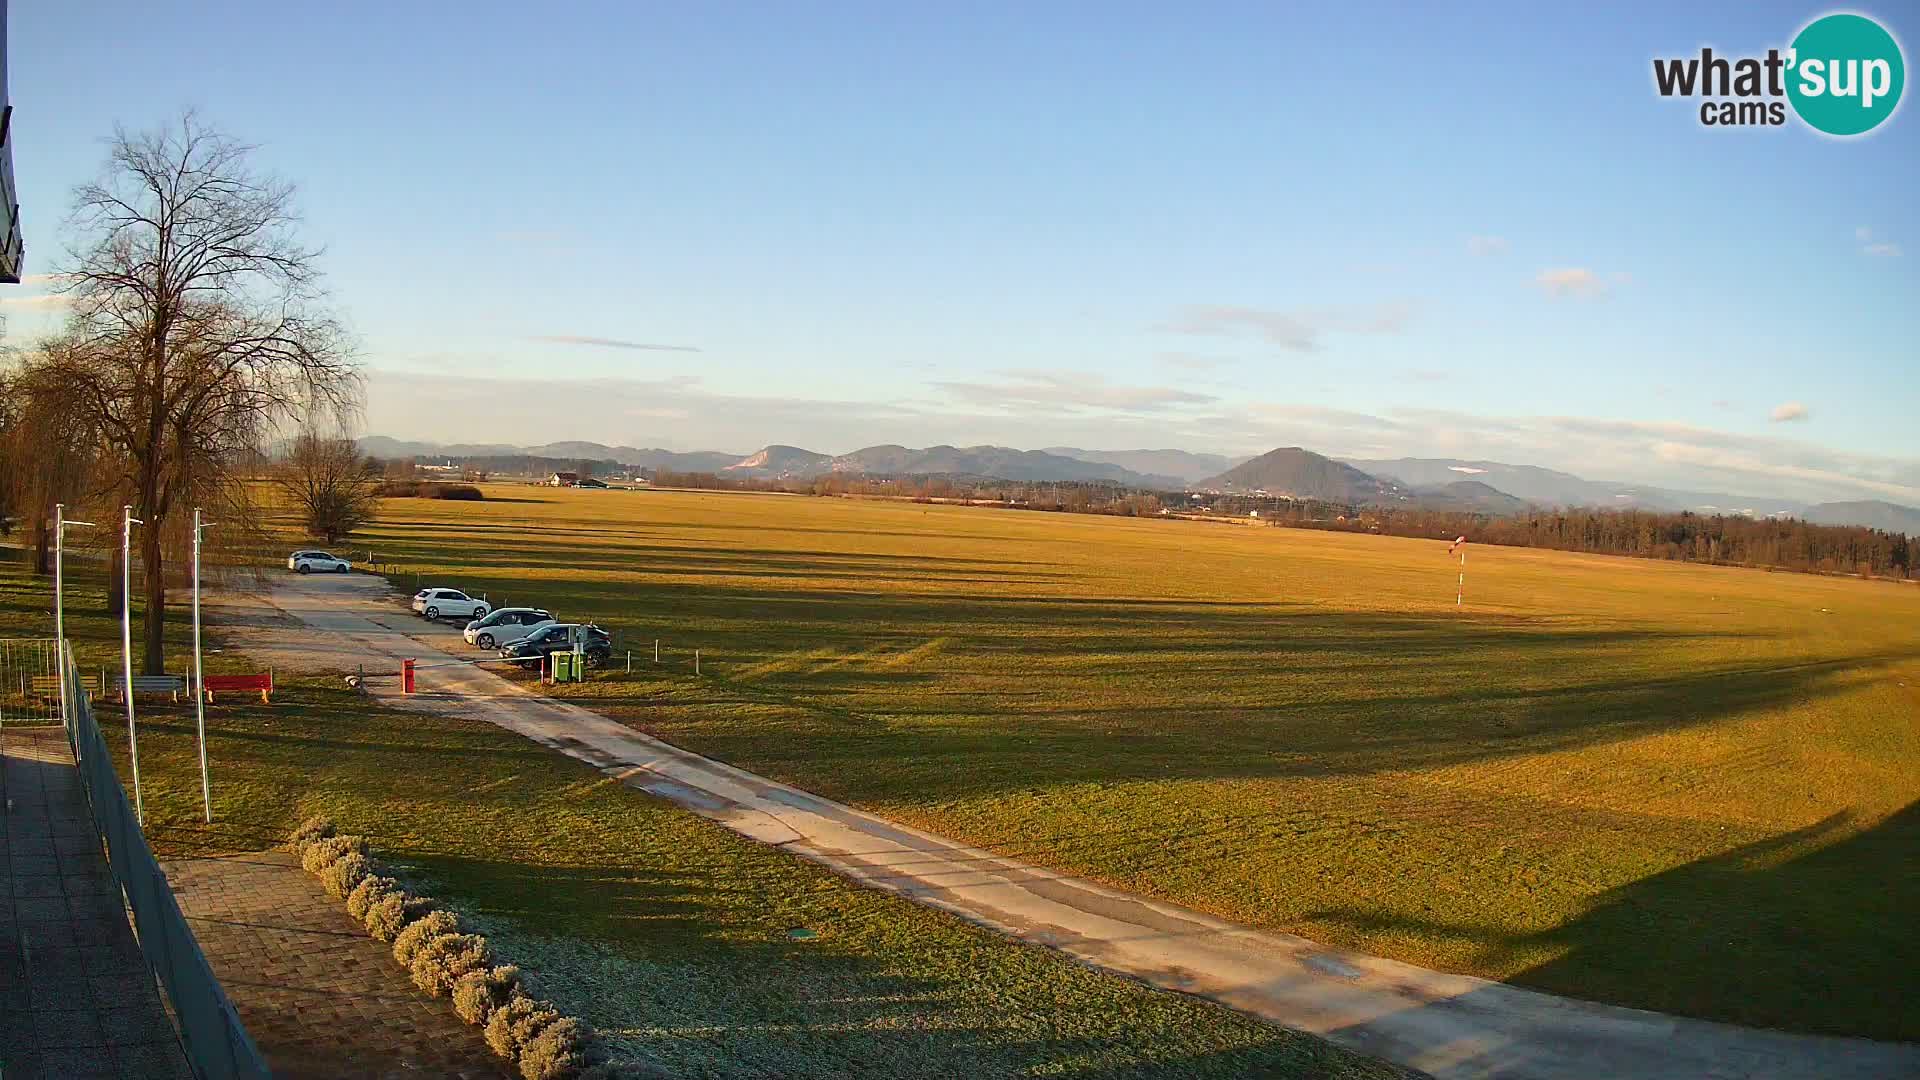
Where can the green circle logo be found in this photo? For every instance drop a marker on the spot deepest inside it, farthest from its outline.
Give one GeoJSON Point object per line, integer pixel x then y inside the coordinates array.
{"type": "Point", "coordinates": [1845, 74]}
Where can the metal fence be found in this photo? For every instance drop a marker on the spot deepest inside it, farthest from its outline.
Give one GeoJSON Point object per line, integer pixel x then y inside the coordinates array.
{"type": "Point", "coordinates": [216, 1044]}
{"type": "Point", "coordinates": [29, 690]}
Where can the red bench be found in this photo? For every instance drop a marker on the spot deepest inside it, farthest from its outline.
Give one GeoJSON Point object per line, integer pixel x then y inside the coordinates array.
{"type": "Point", "coordinates": [226, 684]}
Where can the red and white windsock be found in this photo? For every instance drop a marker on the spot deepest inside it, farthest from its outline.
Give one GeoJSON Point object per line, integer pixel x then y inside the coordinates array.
{"type": "Point", "coordinates": [1457, 545]}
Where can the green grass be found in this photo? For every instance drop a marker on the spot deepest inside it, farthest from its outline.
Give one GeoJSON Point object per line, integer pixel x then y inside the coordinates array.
{"type": "Point", "coordinates": [669, 934]}
{"type": "Point", "coordinates": [1675, 787]}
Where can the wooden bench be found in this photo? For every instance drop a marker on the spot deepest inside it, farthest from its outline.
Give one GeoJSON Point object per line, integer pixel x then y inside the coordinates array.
{"type": "Point", "coordinates": [46, 686]}
{"type": "Point", "coordinates": [158, 684]}
{"type": "Point", "coordinates": [224, 684]}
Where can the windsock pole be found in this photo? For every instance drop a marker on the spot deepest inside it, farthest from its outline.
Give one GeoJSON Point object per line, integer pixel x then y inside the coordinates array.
{"type": "Point", "coordinates": [1460, 588]}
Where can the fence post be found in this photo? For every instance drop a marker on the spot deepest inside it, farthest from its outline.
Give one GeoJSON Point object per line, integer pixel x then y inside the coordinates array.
{"type": "Point", "coordinates": [696, 661]}
{"type": "Point", "coordinates": [629, 661]}
{"type": "Point", "coordinates": [656, 650]}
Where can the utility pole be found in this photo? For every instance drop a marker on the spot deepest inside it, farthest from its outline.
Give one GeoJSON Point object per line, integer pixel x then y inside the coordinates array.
{"type": "Point", "coordinates": [199, 674]}
{"type": "Point", "coordinates": [127, 522]}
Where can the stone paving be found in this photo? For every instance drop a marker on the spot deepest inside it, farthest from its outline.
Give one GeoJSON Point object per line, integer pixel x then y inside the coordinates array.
{"type": "Point", "coordinates": [76, 998]}
{"type": "Point", "coordinates": [320, 997]}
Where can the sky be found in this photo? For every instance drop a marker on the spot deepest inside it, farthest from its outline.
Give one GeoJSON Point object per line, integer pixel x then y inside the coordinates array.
{"type": "Point", "coordinates": [1371, 230]}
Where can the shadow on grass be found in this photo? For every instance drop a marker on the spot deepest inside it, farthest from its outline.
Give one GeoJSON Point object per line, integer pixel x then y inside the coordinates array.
{"type": "Point", "coordinates": [1815, 926]}
{"type": "Point", "coordinates": [684, 971]}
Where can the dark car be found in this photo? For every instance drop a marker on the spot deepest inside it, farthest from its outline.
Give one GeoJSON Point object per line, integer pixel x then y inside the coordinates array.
{"type": "Point", "coordinates": [529, 650]}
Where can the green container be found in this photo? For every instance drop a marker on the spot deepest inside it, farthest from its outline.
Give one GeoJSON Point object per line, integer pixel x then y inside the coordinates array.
{"type": "Point", "coordinates": [566, 667]}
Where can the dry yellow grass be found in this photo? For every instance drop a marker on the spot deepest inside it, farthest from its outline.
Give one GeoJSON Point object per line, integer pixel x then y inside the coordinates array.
{"type": "Point", "coordinates": [1677, 787]}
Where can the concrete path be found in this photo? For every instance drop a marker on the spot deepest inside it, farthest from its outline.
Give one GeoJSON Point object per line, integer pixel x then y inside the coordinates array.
{"type": "Point", "coordinates": [76, 997]}
{"type": "Point", "coordinates": [1452, 1026]}
{"type": "Point", "coordinates": [319, 996]}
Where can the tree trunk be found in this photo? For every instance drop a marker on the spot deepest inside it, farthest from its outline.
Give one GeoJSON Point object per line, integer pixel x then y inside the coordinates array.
{"type": "Point", "coordinates": [155, 617]}
{"type": "Point", "coordinates": [113, 582]}
{"type": "Point", "coordinates": [42, 545]}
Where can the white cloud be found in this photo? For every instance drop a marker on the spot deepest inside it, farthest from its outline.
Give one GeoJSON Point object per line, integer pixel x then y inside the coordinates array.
{"type": "Point", "coordinates": [1749, 465]}
{"type": "Point", "coordinates": [47, 300]}
{"type": "Point", "coordinates": [1578, 281]}
{"type": "Point", "coordinates": [1192, 361]}
{"type": "Point", "coordinates": [1876, 246]}
{"type": "Point", "coordinates": [1787, 412]}
{"type": "Point", "coordinates": [1297, 329]}
{"type": "Point", "coordinates": [1468, 469]}
{"type": "Point", "coordinates": [609, 343]}
{"type": "Point", "coordinates": [1487, 245]}
{"type": "Point", "coordinates": [1026, 389]}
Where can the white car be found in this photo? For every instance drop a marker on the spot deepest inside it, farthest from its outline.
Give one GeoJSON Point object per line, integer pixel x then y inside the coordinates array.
{"type": "Point", "coordinates": [506, 626]}
{"type": "Point", "coordinates": [451, 603]}
{"type": "Point", "coordinates": [317, 562]}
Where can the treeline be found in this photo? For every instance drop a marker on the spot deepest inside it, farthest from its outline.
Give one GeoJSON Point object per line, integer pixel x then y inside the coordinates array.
{"type": "Point", "coordinates": [1779, 543]}
{"type": "Point", "coordinates": [1074, 497]}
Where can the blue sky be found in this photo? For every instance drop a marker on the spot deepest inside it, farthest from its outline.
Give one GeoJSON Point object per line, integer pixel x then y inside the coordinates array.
{"type": "Point", "coordinates": [1370, 230]}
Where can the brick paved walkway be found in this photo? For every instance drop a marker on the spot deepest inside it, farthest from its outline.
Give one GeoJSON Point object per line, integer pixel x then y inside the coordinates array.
{"type": "Point", "coordinates": [319, 996]}
{"type": "Point", "coordinates": [76, 998]}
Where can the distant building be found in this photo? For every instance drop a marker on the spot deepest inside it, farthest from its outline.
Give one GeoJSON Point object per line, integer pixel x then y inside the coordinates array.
{"type": "Point", "coordinates": [563, 479]}
{"type": "Point", "coordinates": [589, 482]}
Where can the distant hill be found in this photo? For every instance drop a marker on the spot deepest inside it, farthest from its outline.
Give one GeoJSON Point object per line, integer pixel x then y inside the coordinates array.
{"type": "Point", "coordinates": [1000, 462]}
{"type": "Point", "coordinates": [782, 462]}
{"type": "Point", "coordinates": [381, 446]}
{"type": "Point", "coordinates": [1867, 513]}
{"type": "Point", "coordinates": [1178, 464]}
{"type": "Point", "coordinates": [1549, 488]}
{"type": "Point", "coordinates": [996, 462]}
{"type": "Point", "coordinates": [1304, 474]}
{"type": "Point", "coordinates": [1469, 495]}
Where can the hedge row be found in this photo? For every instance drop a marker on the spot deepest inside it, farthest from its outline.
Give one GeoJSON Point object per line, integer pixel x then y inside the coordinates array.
{"type": "Point", "coordinates": [445, 962]}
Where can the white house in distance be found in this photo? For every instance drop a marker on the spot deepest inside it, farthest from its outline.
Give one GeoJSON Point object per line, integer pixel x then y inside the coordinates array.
{"type": "Point", "coordinates": [563, 479]}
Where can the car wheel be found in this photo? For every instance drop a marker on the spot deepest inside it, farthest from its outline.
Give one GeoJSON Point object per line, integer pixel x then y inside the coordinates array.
{"type": "Point", "coordinates": [433, 613]}
{"type": "Point", "coordinates": [340, 568]}
{"type": "Point", "coordinates": [304, 568]}
{"type": "Point", "coordinates": [479, 613]}
{"type": "Point", "coordinates": [485, 641]}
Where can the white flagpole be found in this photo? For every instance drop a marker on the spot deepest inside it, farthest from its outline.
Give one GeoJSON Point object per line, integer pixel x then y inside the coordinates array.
{"type": "Point", "coordinates": [1460, 590]}
{"type": "Point", "coordinates": [199, 674]}
{"type": "Point", "coordinates": [60, 608]}
{"type": "Point", "coordinates": [60, 524]}
{"type": "Point", "coordinates": [128, 521]}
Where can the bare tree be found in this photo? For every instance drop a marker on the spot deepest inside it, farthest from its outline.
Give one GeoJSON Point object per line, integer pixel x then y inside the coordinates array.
{"type": "Point", "coordinates": [331, 484]}
{"type": "Point", "coordinates": [49, 452]}
{"type": "Point", "coordinates": [196, 329]}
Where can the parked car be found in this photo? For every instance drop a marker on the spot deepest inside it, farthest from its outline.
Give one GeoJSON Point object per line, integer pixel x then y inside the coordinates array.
{"type": "Point", "coordinates": [529, 650]}
{"type": "Point", "coordinates": [317, 562]}
{"type": "Point", "coordinates": [506, 626]}
{"type": "Point", "coordinates": [452, 603]}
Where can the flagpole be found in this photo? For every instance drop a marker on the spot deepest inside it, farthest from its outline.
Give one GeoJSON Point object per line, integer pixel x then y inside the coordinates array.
{"type": "Point", "coordinates": [127, 522]}
{"type": "Point", "coordinates": [1460, 590]}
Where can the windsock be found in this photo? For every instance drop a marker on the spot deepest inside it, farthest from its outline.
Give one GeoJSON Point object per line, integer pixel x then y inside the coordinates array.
{"type": "Point", "coordinates": [1457, 545]}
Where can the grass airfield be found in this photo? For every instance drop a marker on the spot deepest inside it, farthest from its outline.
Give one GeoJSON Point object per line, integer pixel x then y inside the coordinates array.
{"type": "Point", "coordinates": [1676, 787]}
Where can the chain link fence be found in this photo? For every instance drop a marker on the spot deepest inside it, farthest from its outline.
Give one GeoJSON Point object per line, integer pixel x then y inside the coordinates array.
{"type": "Point", "coordinates": [216, 1044]}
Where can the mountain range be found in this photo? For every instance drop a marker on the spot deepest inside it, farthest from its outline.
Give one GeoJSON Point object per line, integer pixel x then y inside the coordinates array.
{"type": "Point", "coordinates": [1437, 483]}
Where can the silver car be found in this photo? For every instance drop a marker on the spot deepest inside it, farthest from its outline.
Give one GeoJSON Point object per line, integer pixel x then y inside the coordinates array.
{"type": "Point", "coordinates": [506, 626]}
